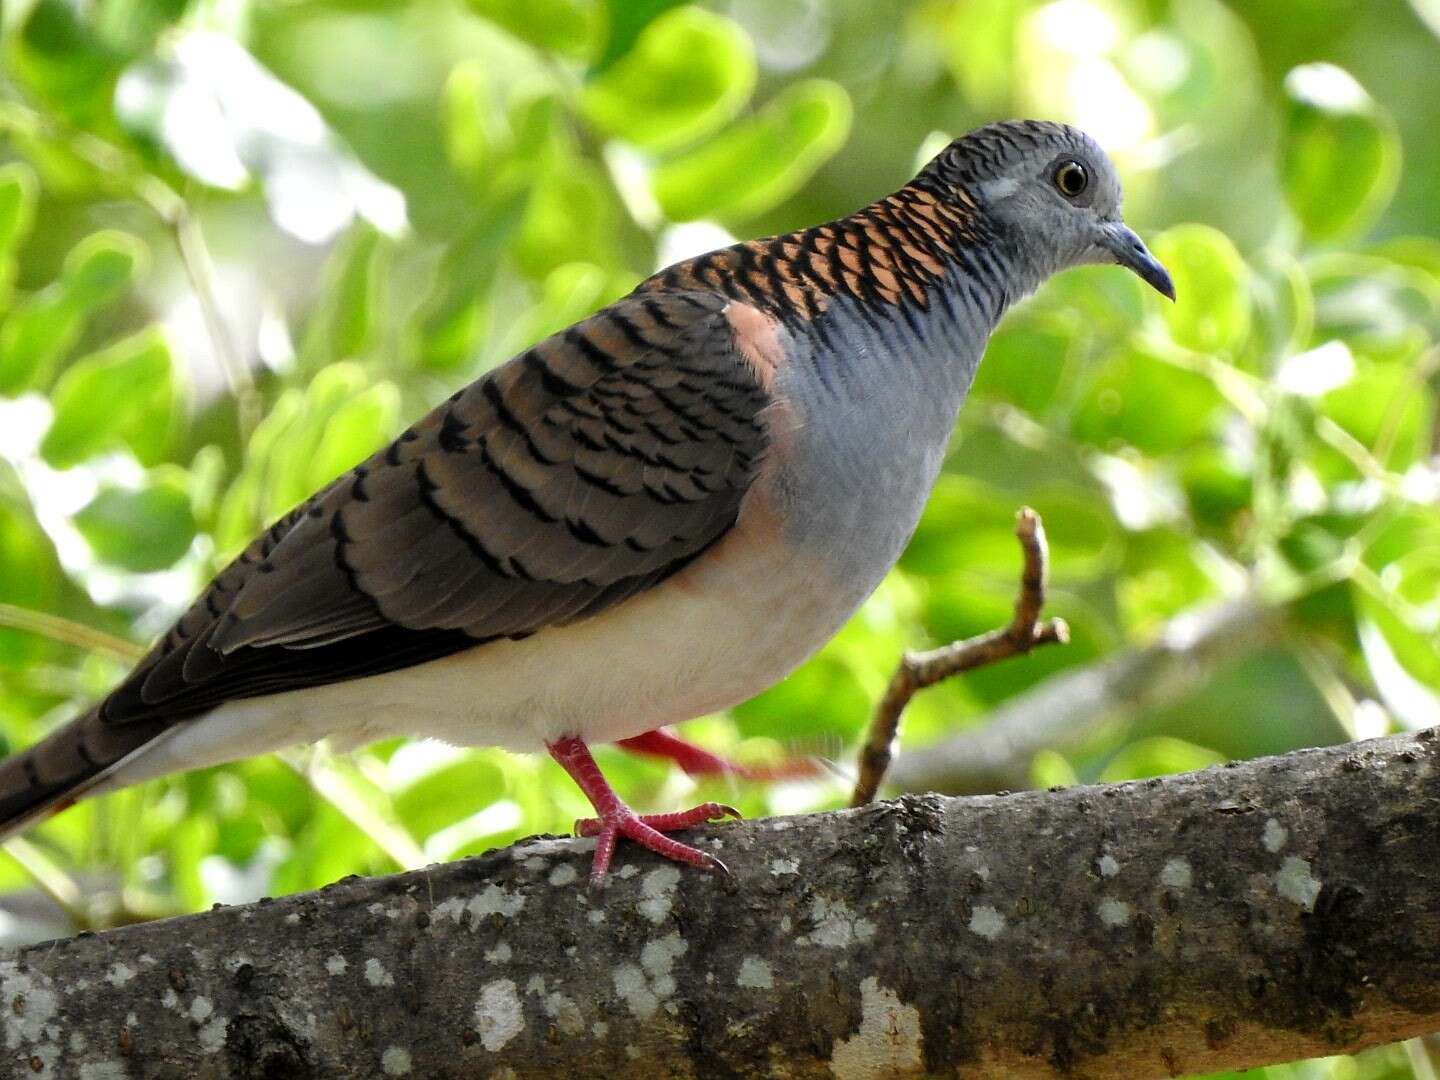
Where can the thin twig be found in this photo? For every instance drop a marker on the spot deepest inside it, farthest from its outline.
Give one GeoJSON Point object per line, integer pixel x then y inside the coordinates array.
{"type": "Point", "coordinates": [200, 269]}
{"type": "Point", "coordinates": [69, 632]}
{"type": "Point", "coordinates": [919, 670]}
{"type": "Point", "coordinates": [59, 886]}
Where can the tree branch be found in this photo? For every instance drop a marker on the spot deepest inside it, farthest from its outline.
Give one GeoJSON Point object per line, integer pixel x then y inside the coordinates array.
{"type": "Point", "coordinates": [919, 670]}
{"type": "Point", "coordinates": [1067, 709]}
{"type": "Point", "coordinates": [1277, 909]}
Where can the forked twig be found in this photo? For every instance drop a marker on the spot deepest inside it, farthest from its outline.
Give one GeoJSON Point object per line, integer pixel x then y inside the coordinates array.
{"type": "Point", "coordinates": [919, 670]}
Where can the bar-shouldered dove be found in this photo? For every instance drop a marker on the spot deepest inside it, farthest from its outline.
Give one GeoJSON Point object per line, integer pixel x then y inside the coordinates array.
{"type": "Point", "coordinates": [649, 516]}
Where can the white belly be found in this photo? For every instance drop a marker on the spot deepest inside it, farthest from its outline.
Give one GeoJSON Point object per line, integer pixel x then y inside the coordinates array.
{"type": "Point", "coordinates": [733, 623]}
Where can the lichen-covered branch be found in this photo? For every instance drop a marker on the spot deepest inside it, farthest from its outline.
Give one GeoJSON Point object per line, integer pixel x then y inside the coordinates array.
{"type": "Point", "coordinates": [1277, 909]}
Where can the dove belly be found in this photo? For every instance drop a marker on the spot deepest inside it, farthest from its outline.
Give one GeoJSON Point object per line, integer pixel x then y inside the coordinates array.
{"type": "Point", "coordinates": [732, 623]}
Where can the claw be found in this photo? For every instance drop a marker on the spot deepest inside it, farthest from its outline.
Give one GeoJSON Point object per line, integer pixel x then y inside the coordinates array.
{"type": "Point", "coordinates": [617, 820]}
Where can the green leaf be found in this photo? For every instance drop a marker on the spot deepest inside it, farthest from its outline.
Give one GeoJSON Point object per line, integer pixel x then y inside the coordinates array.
{"type": "Point", "coordinates": [689, 73]}
{"type": "Point", "coordinates": [1158, 756]}
{"type": "Point", "coordinates": [572, 216]}
{"type": "Point", "coordinates": [979, 41]}
{"type": "Point", "coordinates": [44, 328]}
{"type": "Point", "coordinates": [760, 161]}
{"type": "Point", "coordinates": [35, 335]}
{"type": "Point", "coordinates": [570, 27]}
{"type": "Point", "coordinates": [626, 21]}
{"type": "Point", "coordinates": [1025, 361]}
{"type": "Point", "coordinates": [301, 460]}
{"type": "Point", "coordinates": [18, 191]}
{"type": "Point", "coordinates": [969, 526]}
{"type": "Point", "coordinates": [122, 395]}
{"type": "Point", "coordinates": [1211, 312]}
{"type": "Point", "coordinates": [307, 439]}
{"type": "Point", "coordinates": [1217, 486]}
{"type": "Point", "coordinates": [448, 794]}
{"type": "Point", "coordinates": [1136, 398]}
{"type": "Point", "coordinates": [472, 140]}
{"type": "Point", "coordinates": [1163, 575]}
{"type": "Point", "coordinates": [56, 55]}
{"type": "Point", "coordinates": [355, 430]}
{"type": "Point", "coordinates": [451, 322]}
{"type": "Point", "coordinates": [569, 294]}
{"type": "Point", "coordinates": [1388, 411]}
{"type": "Point", "coordinates": [346, 321]}
{"type": "Point", "coordinates": [1402, 649]}
{"type": "Point", "coordinates": [101, 267]}
{"type": "Point", "coordinates": [145, 529]}
{"type": "Point", "coordinates": [29, 577]}
{"type": "Point", "coordinates": [1340, 154]}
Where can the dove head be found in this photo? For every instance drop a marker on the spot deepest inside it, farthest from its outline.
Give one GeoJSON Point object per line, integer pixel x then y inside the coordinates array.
{"type": "Point", "coordinates": [1049, 195]}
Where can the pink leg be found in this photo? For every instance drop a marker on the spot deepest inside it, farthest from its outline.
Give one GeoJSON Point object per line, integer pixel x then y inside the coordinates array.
{"type": "Point", "coordinates": [698, 761]}
{"type": "Point", "coordinates": [617, 820]}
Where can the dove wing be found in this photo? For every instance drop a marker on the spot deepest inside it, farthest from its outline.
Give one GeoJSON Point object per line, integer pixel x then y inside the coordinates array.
{"type": "Point", "coordinates": [583, 471]}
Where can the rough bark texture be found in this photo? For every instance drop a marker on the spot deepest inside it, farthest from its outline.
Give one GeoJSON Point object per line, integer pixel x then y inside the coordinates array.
{"type": "Point", "coordinates": [1276, 909]}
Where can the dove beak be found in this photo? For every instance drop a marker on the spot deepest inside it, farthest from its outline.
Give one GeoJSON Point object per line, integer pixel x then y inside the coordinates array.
{"type": "Point", "coordinates": [1130, 251]}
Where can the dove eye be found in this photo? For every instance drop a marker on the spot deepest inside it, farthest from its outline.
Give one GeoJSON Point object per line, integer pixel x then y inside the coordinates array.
{"type": "Point", "coordinates": [1071, 179]}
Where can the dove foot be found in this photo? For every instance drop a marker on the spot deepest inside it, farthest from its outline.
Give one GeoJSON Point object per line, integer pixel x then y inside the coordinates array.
{"type": "Point", "coordinates": [697, 761]}
{"type": "Point", "coordinates": [616, 819]}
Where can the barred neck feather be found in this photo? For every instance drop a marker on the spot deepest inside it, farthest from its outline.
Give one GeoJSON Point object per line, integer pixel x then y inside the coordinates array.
{"type": "Point", "coordinates": [926, 244]}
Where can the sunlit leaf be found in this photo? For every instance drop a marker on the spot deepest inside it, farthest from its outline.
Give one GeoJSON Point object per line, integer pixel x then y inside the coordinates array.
{"type": "Point", "coordinates": [29, 573]}
{"type": "Point", "coordinates": [35, 335]}
{"type": "Point", "coordinates": [101, 267]}
{"type": "Point", "coordinates": [1136, 398]}
{"type": "Point", "coordinates": [1158, 756]}
{"type": "Point", "coordinates": [199, 98]}
{"type": "Point", "coordinates": [18, 190]}
{"type": "Point", "coordinates": [969, 527]}
{"type": "Point", "coordinates": [568, 294]}
{"type": "Point", "coordinates": [451, 322]}
{"type": "Point", "coordinates": [448, 794]}
{"type": "Point", "coordinates": [122, 395]}
{"type": "Point", "coordinates": [689, 72]}
{"type": "Point", "coordinates": [141, 529]}
{"type": "Point", "coordinates": [570, 27]}
{"type": "Point", "coordinates": [624, 24]}
{"type": "Point", "coordinates": [1025, 362]}
{"type": "Point", "coordinates": [355, 430]}
{"type": "Point", "coordinates": [40, 331]}
{"type": "Point", "coordinates": [471, 120]}
{"type": "Point", "coordinates": [1341, 155]}
{"type": "Point", "coordinates": [1403, 655]}
{"type": "Point", "coordinates": [760, 161]}
{"type": "Point", "coordinates": [572, 215]}
{"type": "Point", "coordinates": [56, 55]}
{"type": "Point", "coordinates": [347, 320]}
{"type": "Point", "coordinates": [979, 41]}
{"type": "Point", "coordinates": [1162, 576]}
{"type": "Point", "coordinates": [1385, 410]}
{"type": "Point", "coordinates": [1218, 488]}
{"type": "Point", "coordinates": [1211, 312]}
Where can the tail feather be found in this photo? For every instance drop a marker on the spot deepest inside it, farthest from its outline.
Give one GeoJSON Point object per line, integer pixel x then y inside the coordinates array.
{"type": "Point", "coordinates": [63, 766]}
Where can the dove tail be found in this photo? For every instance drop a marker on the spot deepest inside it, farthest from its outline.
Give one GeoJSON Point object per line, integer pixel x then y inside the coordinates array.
{"type": "Point", "coordinates": [64, 766]}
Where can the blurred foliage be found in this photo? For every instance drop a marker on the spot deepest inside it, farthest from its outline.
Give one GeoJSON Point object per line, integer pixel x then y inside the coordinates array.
{"type": "Point", "coordinates": [241, 243]}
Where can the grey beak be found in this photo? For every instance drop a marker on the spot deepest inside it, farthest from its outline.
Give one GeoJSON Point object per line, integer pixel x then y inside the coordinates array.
{"type": "Point", "coordinates": [1130, 251]}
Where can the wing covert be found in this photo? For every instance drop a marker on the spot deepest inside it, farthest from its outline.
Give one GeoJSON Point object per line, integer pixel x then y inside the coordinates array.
{"type": "Point", "coordinates": [585, 470]}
